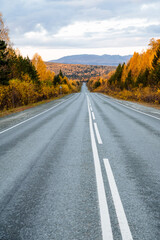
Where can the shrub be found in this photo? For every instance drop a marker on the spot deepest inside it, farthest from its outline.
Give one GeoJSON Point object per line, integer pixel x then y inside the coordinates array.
{"type": "Point", "coordinates": [22, 93]}
{"type": "Point", "coordinates": [65, 88]}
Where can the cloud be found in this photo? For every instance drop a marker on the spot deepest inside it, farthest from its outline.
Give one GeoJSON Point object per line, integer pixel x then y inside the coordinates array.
{"type": "Point", "coordinates": [39, 33]}
{"type": "Point", "coordinates": [153, 29]}
{"type": "Point", "coordinates": [100, 29]}
{"type": "Point", "coordinates": [81, 23]}
{"type": "Point", "coordinates": [149, 6]}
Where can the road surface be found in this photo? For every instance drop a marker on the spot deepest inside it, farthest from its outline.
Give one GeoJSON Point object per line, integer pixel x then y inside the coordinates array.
{"type": "Point", "coordinates": [85, 167]}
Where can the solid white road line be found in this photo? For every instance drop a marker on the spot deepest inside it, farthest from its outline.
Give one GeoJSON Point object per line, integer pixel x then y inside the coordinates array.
{"type": "Point", "coordinates": [157, 112]}
{"type": "Point", "coordinates": [97, 134]}
{"type": "Point", "coordinates": [35, 116]}
{"type": "Point", "coordinates": [123, 223]}
{"type": "Point", "coordinates": [93, 116]}
{"type": "Point", "coordinates": [103, 206]}
{"type": "Point", "coordinates": [131, 108]}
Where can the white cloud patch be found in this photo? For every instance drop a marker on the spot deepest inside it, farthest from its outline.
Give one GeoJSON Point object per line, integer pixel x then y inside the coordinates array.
{"type": "Point", "coordinates": [40, 33]}
{"type": "Point", "coordinates": [101, 28]}
{"type": "Point", "coordinates": [148, 6]}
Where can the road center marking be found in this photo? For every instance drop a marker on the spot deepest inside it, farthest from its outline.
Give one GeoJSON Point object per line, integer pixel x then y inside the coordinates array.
{"type": "Point", "coordinates": [93, 116]}
{"type": "Point", "coordinates": [123, 223]}
{"type": "Point", "coordinates": [97, 134]}
{"type": "Point", "coordinates": [103, 206]}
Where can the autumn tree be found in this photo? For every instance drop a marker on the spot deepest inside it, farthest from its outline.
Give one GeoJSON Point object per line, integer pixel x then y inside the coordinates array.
{"type": "Point", "coordinates": [155, 75]}
{"type": "Point", "coordinates": [23, 81]}
{"type": "Point", "coordinates": [40, 66]}
{"type": "Point", "coordinates": [4, 32]}
{"type": "Point", "coordinates": [45, 75]}
{"type": "Point", "coordinates": [154, 44]}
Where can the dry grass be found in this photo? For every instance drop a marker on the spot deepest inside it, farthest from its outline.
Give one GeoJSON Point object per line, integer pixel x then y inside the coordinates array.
{"type": "Point", "coordinates": [22, 108]}
{"type": "Point", "coordinates": [147, 104]}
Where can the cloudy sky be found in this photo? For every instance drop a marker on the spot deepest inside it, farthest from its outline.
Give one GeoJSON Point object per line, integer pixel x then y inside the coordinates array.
{"type": "Point", "coordinates": [56, 28]}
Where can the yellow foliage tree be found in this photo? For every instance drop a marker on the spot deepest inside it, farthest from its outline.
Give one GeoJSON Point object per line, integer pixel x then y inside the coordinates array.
{"type": "Point", "coordinates": [140, 62]}
{"type": "Point", "coordinates": [45, 75]}
{"type": "Point", "coordinates": [65, 88]}
{"type": "Point", "coordinates": [22, 92]}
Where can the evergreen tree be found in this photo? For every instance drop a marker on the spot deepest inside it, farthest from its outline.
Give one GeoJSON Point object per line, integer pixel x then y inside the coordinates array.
{"type": "Point", "coordinates": [97, 84]}
{"type": "Point", "coordinates": [128, 82]}
{"type": "Point", "coordinates": [143, 78]}
{"type": "Point", "coordinates": [21, 66]}
{"type": "Point", "coordinates": [57, 78]}
{"type": "Point", "coordinates": [116, 77]}
{"type": "Point", "coordinates": [4, 63]}
{"type": "Point", "coordinates": [61, 74]}
{"type": "Point", "coordinates": [28, 67]}
{"type": "Point", "coordinates": [118, 73]}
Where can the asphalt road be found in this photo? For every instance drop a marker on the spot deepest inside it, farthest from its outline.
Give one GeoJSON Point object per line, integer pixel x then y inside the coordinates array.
{"type": "Point", "coordinates": [83, 167]}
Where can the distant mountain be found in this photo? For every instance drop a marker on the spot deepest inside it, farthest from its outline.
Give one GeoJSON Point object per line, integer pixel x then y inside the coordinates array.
{"type": "Point", "coordinates": [86, 59]}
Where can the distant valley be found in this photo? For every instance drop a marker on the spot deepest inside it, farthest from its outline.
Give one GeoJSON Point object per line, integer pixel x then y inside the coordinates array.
{"type": "Point", "coordinates": [88, 59]}
{"type": "Point", "coordinates": [80, 71]}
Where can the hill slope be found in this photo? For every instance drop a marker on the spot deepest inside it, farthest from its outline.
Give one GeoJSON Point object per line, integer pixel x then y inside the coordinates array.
{"type": "Point", "coordinates": [109, 60]}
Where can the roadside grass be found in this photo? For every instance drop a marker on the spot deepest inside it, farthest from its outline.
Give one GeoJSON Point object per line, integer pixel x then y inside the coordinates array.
{"type": "Point", "coordinates": [147, 104]}
{"type": "Point", "coordinates": [4, 113]}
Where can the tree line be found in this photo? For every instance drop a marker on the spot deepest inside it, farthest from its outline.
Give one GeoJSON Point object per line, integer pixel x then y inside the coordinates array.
{"type": "Point", "coordinates": [139, 79]}
{"type": "Point", "coordinates": [24, 81]}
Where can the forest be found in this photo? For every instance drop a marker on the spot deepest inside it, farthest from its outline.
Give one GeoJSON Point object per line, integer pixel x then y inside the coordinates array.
{"type": "Point", "coordinates": [137, 80]}
{"type": "Point", "coordinates": [24, 81]}
{"type": "Point", "coordinates": [79, 71]}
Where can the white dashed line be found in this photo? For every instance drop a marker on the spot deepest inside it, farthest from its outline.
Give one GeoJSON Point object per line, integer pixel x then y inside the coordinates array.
{"type": "Point", "coordinates": [103, 206]}
{"type": "Point", "coordinates": [97, 134]}
{"type": "Point", "coordinates": [93, 116]}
